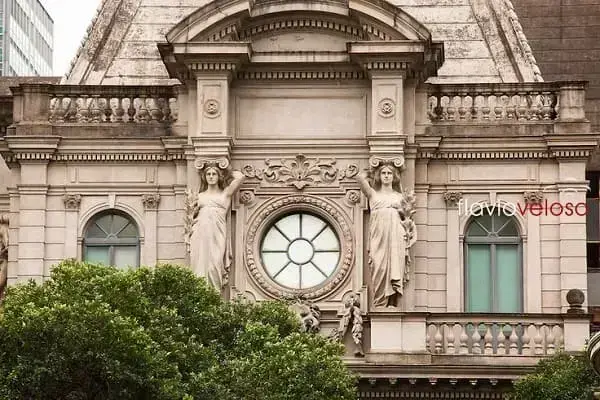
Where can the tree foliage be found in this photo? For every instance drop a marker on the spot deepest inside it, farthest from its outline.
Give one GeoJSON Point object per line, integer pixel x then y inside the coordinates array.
{"type": "Point", "coordinates": [95, 332]}
{"type": "Point", "coordinates": [561, 377]}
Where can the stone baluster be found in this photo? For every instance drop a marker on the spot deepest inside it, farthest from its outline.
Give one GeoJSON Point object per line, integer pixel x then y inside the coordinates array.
{"type": "Point", "coordinates": [511, 108]}
{"type": "Point", "coordinates": [84, 110]}
{"type": "Point", "coordinates": [538, 339]}
{"type": "Point", "coordinates": [463, 340]}
{"type": "Point", "coordinates": [119, 110]}
{"type": "Point", "coordinates": [95, 112]}
{"type": "Point", "coordinates": [550, 338]}
{"type": "Point", "coordinates": [501, 338]}
{"type": "Point", "coordinates": [144, 115]}
{"type": "Point", "coordinates": [450, 338]}
{"type": "Point", "coordinates": [451, 110]}
{"type": "Point", "coordinates": [476, 346]}
{"type": "Point", "coordinates": [438, 339]}
{"type": "Point", "coordinates": [486, 109]}
{"type": "Point", "coordinates": [108, 110]}
{"type": "Point", "coordinates": [526, 340]}
{"type": "Point", "coordinates": [488, 339]}
{"type": "Point", "coordinates": [462, 109]}
{"type": "Point", "coordinates": [131, 111]}
{"type": "Point", "coordinates": [498, 106]}
{"type": "Point", "coordinates": [513, 339]}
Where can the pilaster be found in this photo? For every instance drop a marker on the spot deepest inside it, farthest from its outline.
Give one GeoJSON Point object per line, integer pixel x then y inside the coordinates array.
{"type": "Point", "coordinates": [454, 273]}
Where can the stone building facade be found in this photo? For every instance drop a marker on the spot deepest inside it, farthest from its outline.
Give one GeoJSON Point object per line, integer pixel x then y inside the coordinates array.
{"type": "Point", "coordinates": [288, 130]}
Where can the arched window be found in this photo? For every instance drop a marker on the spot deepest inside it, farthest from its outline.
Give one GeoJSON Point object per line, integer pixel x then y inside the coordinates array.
{"type": "Point", "coordinates": [112, 239]}
{"type": "Point", "coordinates": [493, 264]}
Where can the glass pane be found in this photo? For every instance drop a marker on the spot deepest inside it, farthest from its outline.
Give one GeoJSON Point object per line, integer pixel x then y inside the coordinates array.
{"type": "Point", "coordinates": [510, 230]}
{"type": "Point", "coordinates": [311, 276]}
{"type": "Point", "coordinates": [479, 278]}
{"type": "Point", "coordinates": [327, 262]}
{"type": "Point", "coordinates": [97, 255]}
{"type": "Point", "coordinates": [476, 230]}
{"type": "Point", "coordinates": [118, 224]}
{"type": "Point", "coordinates": [290, 277]}
{"type": "Point", "coordinates": [290, 226]}
{"type": "Point", "coordinates": [129, 231]}
{"type": "Point", "coordinates": [327, 240]}
{"type": "Point", "coordinates": [486, 218]}
{"type": "Point", "coordinates": [126, 256]}
{"type": "Point", "coordinates": [508, 284]}
{"type": "Point", "coordinates": [275, 241]}
{"type": "Point", "coordinates": [499, 220]}
{"type": "Point", "coordinates": [311, 226]}
{"type": "Point", "coordinates": [105, 223]}
{"type": "Point", "coordinates": [273, 262]}
{"type": "Point", "coordinates": [95, 232]}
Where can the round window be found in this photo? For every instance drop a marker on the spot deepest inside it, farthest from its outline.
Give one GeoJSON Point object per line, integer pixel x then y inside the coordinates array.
{"type": "Point", "coordinates": [300, 251]}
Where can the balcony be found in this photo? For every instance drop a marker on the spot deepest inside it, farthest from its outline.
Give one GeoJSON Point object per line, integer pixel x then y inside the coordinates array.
{"type": "Point", "coordinates": [71, 110]}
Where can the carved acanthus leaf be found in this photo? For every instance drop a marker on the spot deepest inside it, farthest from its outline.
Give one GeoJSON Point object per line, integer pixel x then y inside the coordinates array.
{"type": "Point", "coordinates": [72, 201]}
{"type": "Point", "coordinates": [452, 199]}
{"type": "Point", "coordinates": [533, 197]}
{"type": "Point", "coordinates": [151, 201]}
{"type": "Point", "coordinates": [298, 172]}
{"type": "Point", "coordinates": [309, 314]}
{"type": "Point", "coordinates": [188, 221]}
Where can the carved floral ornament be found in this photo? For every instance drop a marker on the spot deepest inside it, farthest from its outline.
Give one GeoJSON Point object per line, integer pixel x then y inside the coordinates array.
{"type": "Point", "coordinates": [387, 108]}
{"type": "Point", "coordinates": [300, 172]}
{"type": "Point", "coordinates": [269, 212]}
{"type": "Point", "coordinates": [212, 108]}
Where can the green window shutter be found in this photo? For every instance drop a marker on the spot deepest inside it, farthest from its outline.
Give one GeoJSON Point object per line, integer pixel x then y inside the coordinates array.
{"type": "Point", "coordinates": [479, 278]}
{"type": "Point", "coordinates": [508, 280]}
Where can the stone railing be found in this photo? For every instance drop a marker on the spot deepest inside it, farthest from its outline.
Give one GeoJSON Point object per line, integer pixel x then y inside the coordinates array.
{"type": "Point", "coordinates": [73, 104]}
{"type": "Point", "coordinates": [99, 104]}
{"type": "Point", "coordinates": [505, 103]}
{"type": "Point", "coordinates": [494, 335]}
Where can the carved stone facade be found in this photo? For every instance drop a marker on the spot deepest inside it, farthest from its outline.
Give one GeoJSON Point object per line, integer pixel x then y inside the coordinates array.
{"type": "Point", "coordinates": [333, 156]}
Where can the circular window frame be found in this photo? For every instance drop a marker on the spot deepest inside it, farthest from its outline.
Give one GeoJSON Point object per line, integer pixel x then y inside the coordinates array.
{"type": "Point", "coordinates": [299, 212]}
{"type": "Point", "coordinates": [273, 211]}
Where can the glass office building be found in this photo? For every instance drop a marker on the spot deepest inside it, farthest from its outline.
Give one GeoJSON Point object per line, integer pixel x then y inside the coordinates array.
{"type": "Point", "coordinates": [26, 38]}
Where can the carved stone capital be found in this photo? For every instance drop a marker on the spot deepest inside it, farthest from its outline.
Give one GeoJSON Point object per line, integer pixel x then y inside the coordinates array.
{"type": "Point", "coordinates": [72, 201]}
{"type": "Point", "coordinates": [219, 162]}
{"type": "Point", "coordinates": [151, 201]}
{"type": "Point", "coordinates": [377, 161]}
{"type": "Point", "coordinates": [452, 199]}
{"type": "Point", "coordinates": [533, 197]}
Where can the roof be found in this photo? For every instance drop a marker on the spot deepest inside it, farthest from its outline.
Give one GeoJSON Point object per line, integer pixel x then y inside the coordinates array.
{"type": "Point", "coordinates": [483, 41]}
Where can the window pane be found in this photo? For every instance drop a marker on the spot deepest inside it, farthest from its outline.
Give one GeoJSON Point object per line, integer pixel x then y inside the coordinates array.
{"type": "Point", "coordinates": [476, 230]}
{"type": "Point", "coordinates": [326, 241]}
{"type": "Point", "coordinates": [105, 223]}
{"type": "Point", "coordinates": [126, 256]}
{"type": "Point", "coordinates": [97, 255]}
{"type": "Point", "coordinates": [510, 229]}
{"type": "Point", "coordinates": [95, 232]}
{"type": "Point", "coordinates": [290, 226]}
{"type": "Point", "coordinates": [311, 276]}
{"type": "Point", "coordinates": [129, 231]}
{"type": "Point", "coordinates": [274, 240]}
{"type": "Point", "coordinates": [311, 226]}
{"type": "Point", "coordinates": [290, 276]}
{"type": "Point", "coordinates": [479, 278]}
{"type": "Point", "coordinates": [508, 283]}
{"type": "Point", "coordinates": [118, 224]}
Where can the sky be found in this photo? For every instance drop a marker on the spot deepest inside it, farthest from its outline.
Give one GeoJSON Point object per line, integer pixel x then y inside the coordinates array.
{"type": "Point", "coordinates": [71, 20]}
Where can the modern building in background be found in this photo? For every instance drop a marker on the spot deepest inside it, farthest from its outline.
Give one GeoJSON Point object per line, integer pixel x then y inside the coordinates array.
{"type": "Point", "coordinates": [26, 38]}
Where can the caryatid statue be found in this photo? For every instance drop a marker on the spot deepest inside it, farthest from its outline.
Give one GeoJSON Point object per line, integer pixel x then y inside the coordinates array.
{"type": "Point", "coordinates": [3, 254]}
{"type": "Point", "coordinates": [207, 223]}
{"type": "Point", "coordinates": [392, 231]}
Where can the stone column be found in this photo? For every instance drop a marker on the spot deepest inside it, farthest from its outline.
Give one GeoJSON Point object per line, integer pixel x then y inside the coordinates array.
{"type": "Point", "coordinates": [151, 203]}
{"type": "Point", "coordinates": [454, 274]}
{"type": "Point", "coordinates": [72, 203]}
{"type": "Point", "coordinates": [532, 278]}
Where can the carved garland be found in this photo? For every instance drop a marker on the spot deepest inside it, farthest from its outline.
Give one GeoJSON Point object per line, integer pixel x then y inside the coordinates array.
{"type": "Point", "coordinates": [275, 207]}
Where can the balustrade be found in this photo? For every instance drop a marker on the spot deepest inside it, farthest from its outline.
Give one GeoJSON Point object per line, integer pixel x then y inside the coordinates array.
{"type": "Point", "coordinates": [495, 337]}
{"type": "Point", "coordinates": [102, 104]}
{"type": "Point", "coordinates": [494, 103]}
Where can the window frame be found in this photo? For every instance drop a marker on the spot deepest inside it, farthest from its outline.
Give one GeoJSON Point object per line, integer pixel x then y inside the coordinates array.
{"type": "Point", "coordinates": [112, 243]}
{"type": "Point", "coordinates": [492, 240]}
